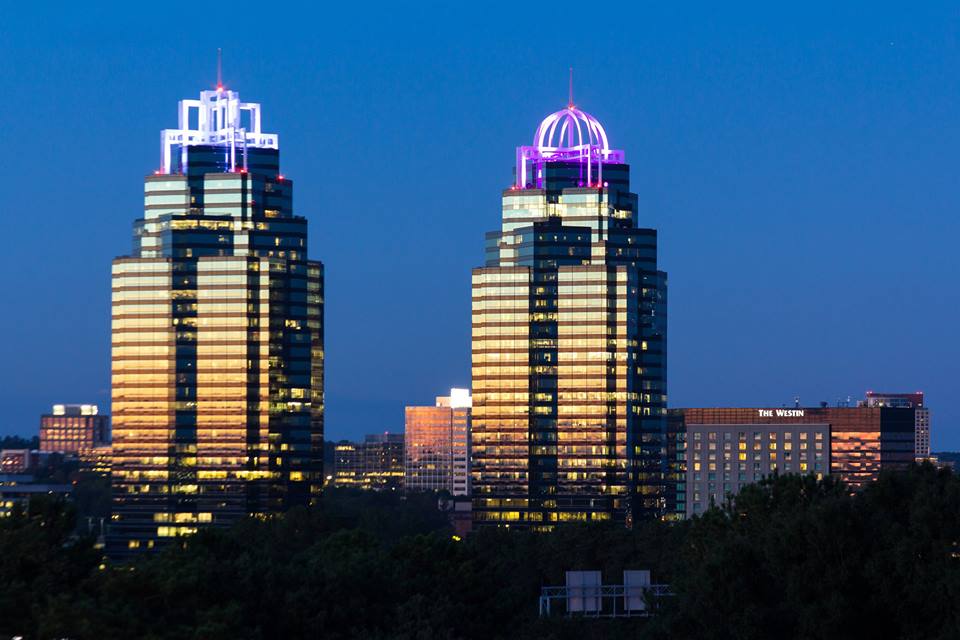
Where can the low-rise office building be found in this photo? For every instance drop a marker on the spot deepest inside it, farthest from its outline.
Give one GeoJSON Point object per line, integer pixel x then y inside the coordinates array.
{"type": "Point", "coordinates": [78, 430]}
{"type": "Point", "coordinates": [17, 489]}
{"type": "Point", "coordinates": [14, 461]}
{"type": "Point", "coordinates": [375, 463]}
{"type": "Point", "coordinates": [73, 428]}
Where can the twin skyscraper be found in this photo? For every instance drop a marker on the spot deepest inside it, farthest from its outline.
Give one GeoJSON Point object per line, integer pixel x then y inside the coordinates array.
{"type": "Point", "coordinates": [569, 341]}
{"type": "Point", "coordinates": [217, 339]}
{"type": "Point", "coordinates": [217, 336]}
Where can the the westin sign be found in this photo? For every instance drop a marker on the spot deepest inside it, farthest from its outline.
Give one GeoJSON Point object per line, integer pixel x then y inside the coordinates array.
{"type": "Point", "coordinates": [781, 413]}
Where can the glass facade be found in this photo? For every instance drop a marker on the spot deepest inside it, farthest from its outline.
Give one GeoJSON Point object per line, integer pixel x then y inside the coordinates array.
{"type": "Point", "coordinates": [437, 447]}
{"type": "Point", "coordinates": [675, 490]}
{"type": "Point", "coordinates": [376, 463]}
{"type": "Point", "coordinates": [569, 344]}
{"type": "Point", "coordinates": [217, 343]}
{"type": "Point", "coordinates": [921, 416]}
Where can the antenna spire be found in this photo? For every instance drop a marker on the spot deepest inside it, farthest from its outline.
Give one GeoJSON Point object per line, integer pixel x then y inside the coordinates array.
{"type": "Point", "coordinates": [570, 104]}
{"type": "Point", "coordinates": [219, 69]}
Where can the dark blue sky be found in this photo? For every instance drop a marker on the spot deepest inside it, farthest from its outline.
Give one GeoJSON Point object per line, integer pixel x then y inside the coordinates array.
{"type": "Point", "coordinates": [799, 163]}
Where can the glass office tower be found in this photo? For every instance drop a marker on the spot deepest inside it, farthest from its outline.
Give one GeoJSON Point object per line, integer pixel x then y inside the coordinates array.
{"type": "Point", "coordinates": [437, 445]}
{"type": "Point", "coordinates": [569, 341]}
{"type": "Point", "coordinates": [217, 336]}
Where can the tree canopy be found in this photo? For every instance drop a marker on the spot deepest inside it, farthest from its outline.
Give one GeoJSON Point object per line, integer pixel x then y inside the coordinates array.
{"type": "Point", "coordinates": [791, 557]}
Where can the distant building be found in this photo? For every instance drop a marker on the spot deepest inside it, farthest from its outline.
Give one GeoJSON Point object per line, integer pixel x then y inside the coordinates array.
{"type": "Point", "coordinates": [346, 464]}
{"type": "Point", "coordinates": [375, 463]}
{"type": "Point", "coordinates": [18, 489]}
{"type": "Point", "coordinates": [437, 445]}
{"type": "Point", "coordinates": [459, 511]}
{"type": "Point", "coordinates": [80, 430]}
{"type": "Point", "coordinates": [727, 448]}
{"type": "Point", "coordinates": [72, 428]}
{"type": "Point", "coordinates": [675, 485]}
{"type": "Point", "coordinates": [43, 463]}
{"type": "Point", "coordinates": [922, 416]}
{"type": "Point", "coordinates": [945, 460]}
{"type": "Point", "coordinates": [17, 460]}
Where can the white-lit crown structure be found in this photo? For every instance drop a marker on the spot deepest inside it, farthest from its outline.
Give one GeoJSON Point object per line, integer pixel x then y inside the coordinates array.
{"type": "Point", "coordinates": [221, 119]}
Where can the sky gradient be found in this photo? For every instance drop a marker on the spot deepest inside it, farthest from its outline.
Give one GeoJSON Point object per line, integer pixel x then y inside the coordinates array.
{"type": "Point", "coordinates": [800, 165]}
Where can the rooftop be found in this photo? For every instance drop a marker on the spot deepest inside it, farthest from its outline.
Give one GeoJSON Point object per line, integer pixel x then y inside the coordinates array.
{"type": "Point", "coordinates": [217, 118]}
{"type": "Point", "coordinates": [567, 135]}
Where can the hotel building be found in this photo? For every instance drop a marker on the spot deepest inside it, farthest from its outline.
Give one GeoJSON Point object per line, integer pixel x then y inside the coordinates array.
{"type": "Point", "coordinates": [569, 341]}
{"type": "Point", "coordinates": [727, 448]}
{"type": "Point", "coordinates": [437, 446]}
{"type": "Point", "coordinates": [217, 338]}
{"type": "Point", "coordinates": [921, 415]}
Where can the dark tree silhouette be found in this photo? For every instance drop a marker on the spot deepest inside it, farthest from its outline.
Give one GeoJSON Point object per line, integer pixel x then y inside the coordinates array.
{"type": "Point", "coordinates": [790, 558]}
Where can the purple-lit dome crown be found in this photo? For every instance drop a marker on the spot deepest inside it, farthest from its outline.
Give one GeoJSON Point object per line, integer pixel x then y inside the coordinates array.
{"type": "Point", "coordinates": [570, 128]}
{"type": "Point", "coordinates": [569, 136]}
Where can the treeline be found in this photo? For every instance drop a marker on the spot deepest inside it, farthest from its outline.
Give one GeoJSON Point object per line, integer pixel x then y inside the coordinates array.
{"type": "Point", "coordinates": [793, 558]}
{"type": "Point", "coordinates": [17, 442]}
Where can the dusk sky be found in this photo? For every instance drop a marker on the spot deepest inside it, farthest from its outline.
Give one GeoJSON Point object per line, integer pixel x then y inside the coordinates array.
{"type": "Point", "coordinates": [800, 165]}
